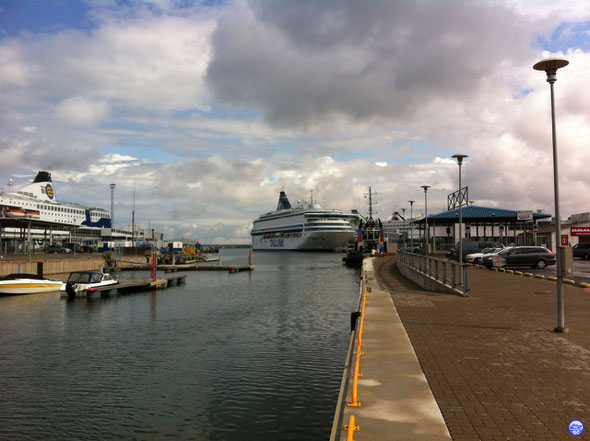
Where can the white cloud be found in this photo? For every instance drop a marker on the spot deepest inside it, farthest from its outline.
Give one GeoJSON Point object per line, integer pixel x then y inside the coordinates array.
{"type": "Point", "coordinates": [79, 111]}
{"type": "Point", "coordinates": [210, 112]}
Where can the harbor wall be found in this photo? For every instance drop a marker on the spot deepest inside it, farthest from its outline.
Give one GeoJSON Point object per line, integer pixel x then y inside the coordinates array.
{"type": "Point", "coordinates": [53, 267]}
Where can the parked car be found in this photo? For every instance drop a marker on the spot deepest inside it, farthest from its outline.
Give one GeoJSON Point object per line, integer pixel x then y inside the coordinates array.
{"type": "Point", "coordinates": [57, 249]}
{"type": "Point", "coordinates": [488, 259]}
{"type": "Point", "coordinates": [74, 247]}
{"type": "Point", "coordinates": [476, 257]}
{"type": "Point", "coordinates": [525, 256]}
{"type": "Point", "coordinates": [88, 249]}
{"type": "Point", "coordinates": [582, 250]}
{"type": "Point", "coordinates": [414, 248]}
{"type": "Point", "coordinates": [471, 247]}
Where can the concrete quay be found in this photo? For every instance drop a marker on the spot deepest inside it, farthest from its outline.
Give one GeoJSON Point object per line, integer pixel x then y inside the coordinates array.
{"type": "Point", "coordinates": [491, 360]}
{"type": "Point", "coordinates": [396, 402]}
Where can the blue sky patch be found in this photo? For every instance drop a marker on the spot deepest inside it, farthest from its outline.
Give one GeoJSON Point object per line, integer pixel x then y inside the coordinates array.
{"type": "Point", "coordinates": [42, 16]}
{"type": "Point", "coordinates": [567, 36]}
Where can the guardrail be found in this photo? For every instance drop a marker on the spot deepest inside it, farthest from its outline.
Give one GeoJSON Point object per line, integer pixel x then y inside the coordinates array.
{"type": "Point", "coordinates": [445, 272]}
{"type": "Point", "coordinates": [351, 427]}
{"type": "Point", "coordinates": [357, 373]}
{"type": "Point", "coordinates": [354, 353]}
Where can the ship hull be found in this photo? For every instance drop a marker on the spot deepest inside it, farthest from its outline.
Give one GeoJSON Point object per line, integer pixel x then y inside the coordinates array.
{"type": "Point", "coordinates": [321, 241]}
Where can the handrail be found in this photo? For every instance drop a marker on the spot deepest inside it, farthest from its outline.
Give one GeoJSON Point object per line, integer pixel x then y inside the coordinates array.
{"type": "Point", "coordinates": [351, 427]}
{"type": "Point", "coordinates": [360, 335]}
{"type": "Point", "coordinates": [423, 264]}
{"type": "Point", "coordinates": [355, 382]}
{"type": "Point", "coordinates": [357, 374]}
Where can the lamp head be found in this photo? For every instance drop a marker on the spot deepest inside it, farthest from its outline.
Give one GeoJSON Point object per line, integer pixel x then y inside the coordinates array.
{"type": "Point", "coordinates": [425, 187]}
{"type": "Point", "coordinates": [550, 66]}
{"type": "Point", "coordinates": [459, 157]}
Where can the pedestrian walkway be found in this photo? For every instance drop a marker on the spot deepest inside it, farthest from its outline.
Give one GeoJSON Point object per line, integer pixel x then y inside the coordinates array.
{"type": "Point", "coordinates": [396, 402]}
{"type": "Point", "coordinates": [494, 365]}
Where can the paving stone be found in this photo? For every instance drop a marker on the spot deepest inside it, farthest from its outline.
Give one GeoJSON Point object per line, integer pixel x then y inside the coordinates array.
{"type": "Point", "coordinates": [491, 359]}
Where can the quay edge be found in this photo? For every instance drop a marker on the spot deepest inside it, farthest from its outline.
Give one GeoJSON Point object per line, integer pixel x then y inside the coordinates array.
{"type": "Point", "coordinates": [396, 400]}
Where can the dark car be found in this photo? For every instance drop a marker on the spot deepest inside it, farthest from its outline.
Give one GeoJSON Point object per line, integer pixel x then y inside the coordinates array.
{"type": "Point", "coordinates": [582, 250]}
{"type": "Point", "coordinates": [57, 249]}
{"type": "Point", "coordinates": [88, 249]}
{"type": "Point", "coordinates": [74, 247]}
{"type": "Point", "coordinates": [524, 256]}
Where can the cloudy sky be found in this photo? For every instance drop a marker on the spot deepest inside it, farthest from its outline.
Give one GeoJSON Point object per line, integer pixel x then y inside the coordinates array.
{"type": "Point", "coordinates": [209, 108]}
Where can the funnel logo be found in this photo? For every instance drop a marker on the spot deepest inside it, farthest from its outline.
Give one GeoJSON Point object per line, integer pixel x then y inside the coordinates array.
{"type": "Point", "coordinates": [49, 191]}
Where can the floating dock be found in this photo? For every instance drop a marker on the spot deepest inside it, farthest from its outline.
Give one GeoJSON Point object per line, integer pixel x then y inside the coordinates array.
{"type": "Point", "coordinates": [129, 286]}
{"type": "Point", "coordinates": [187, 267]}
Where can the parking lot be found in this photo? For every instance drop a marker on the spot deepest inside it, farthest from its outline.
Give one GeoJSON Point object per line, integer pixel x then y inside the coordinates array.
{"type": "Point", "coordinates": [581, 271]}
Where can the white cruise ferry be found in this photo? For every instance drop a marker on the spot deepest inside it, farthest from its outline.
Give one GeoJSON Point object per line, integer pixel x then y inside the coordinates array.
{"type": "Point", "coordinates": [303, 228]}
{"type": "Point", "coordinates": [37, 201]}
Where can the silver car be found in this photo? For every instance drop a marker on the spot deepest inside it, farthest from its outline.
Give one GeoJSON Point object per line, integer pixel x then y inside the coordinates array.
{"type": "Point", "coordinates": [476, 257]}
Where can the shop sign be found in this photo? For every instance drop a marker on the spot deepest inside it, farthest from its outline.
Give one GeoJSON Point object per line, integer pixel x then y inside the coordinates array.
{"type": "Point", "coordinates": [524, 215]}
{"type": "Point", "coordinates": [580, 231]}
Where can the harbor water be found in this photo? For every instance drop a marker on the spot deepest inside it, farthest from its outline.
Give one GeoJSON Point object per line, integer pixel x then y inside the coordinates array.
{"type": "Point", "coordinates": [245, 356]}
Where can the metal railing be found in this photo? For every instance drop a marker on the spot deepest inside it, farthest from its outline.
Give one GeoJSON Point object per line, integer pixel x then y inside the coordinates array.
{"type": "Point", "coordinates": [357, 373]}
{"type": "Point", "coordinates": [446, 272]}
{"type": "Point", "coordinates": [351, 427]}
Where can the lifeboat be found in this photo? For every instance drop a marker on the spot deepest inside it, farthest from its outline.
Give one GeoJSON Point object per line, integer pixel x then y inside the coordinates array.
{"type": "Point", "coordinates": [14, 212]}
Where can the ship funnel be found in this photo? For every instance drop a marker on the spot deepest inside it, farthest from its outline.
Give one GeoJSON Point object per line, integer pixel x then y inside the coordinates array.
{"type": "Point", "coordinates": [284, 203]}
{"type": "Point", "coordinates": [42, 176]}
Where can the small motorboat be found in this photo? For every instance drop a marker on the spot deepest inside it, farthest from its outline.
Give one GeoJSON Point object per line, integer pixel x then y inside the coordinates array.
{"type": "Point", "coordinates": [86, 282]}
{"type": "Point", "coordinates": [27, 284]}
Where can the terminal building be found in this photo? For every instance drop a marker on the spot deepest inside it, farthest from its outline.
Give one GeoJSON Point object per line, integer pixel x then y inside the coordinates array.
{"type": "Point", "coordinates": [508, 227]}
{"type": "Point", "coordinates": [31, 218]}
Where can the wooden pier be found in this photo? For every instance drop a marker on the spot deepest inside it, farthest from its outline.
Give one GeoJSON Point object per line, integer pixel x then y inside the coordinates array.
{"type": "Point", "coordinates": [130, 286]}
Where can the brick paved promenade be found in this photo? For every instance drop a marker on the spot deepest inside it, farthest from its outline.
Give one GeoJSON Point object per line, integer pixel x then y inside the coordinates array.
{"type": "Point", "coordinates": [496, 369]}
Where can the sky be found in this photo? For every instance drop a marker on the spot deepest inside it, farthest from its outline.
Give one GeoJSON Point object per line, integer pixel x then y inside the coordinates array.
{"type": "Point", "coordinates": [206, 110]}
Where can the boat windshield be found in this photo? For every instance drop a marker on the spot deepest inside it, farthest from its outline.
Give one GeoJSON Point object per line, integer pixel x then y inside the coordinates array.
{"type": "Point", "coordinates": [79, 277]}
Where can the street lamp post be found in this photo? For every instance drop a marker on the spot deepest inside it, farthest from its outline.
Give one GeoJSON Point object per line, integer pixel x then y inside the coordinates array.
{"type": "Point", "coordinates": [459, 157]}
{"type": "Point", "coordinates": [404, 216]}
{"type": "Point", "coordinates": [112, 208]}
{"type": "Point", "coordinates": [550, 67]}
{"type": "Point", "coordinates": [411, 227]}
{"type": "Point", "coordinates": [425, 187]}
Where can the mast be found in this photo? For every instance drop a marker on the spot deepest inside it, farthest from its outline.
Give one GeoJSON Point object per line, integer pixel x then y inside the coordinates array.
{"type": "Point", "coordinates": [371, 203]}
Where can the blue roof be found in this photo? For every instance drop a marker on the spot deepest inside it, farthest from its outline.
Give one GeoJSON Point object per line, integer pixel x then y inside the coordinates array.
{"type": "Point", "coordinates": [483, 213]}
